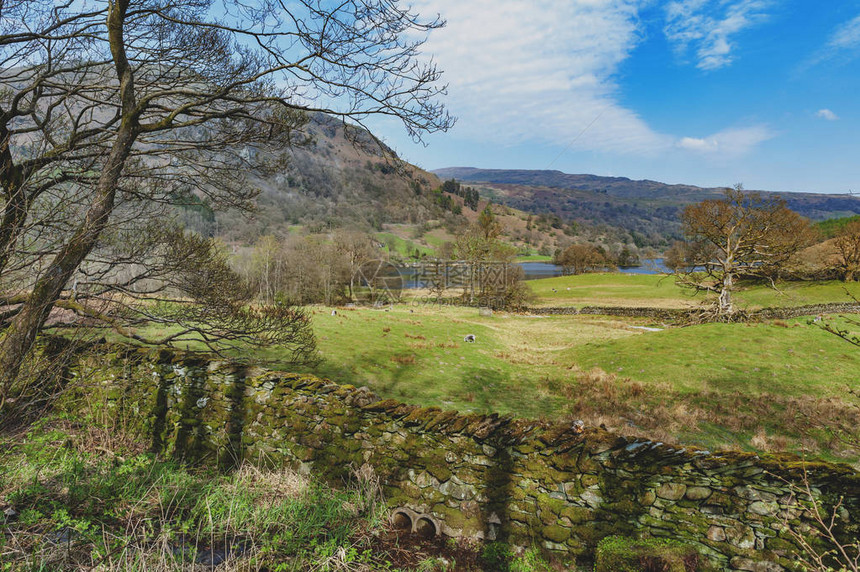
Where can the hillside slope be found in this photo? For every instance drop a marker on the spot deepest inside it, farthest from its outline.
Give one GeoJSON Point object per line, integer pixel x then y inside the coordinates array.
{"type": "Point", "coordinates": [332, 180]}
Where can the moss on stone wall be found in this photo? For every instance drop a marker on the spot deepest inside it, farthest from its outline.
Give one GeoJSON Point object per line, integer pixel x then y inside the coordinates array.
{"type": "Point", "coordinates": [483, 476]}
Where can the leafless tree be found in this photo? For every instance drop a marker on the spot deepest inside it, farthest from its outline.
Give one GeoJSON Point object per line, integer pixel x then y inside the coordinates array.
{"type": "Point", "coordinates": [115, 109]}
{"type": "Point", "coordinates": [847, 244]}
{"type": "Point", "coordinates": [741, 235]}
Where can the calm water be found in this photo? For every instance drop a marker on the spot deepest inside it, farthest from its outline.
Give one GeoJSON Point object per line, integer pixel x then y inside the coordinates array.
{"type": "Point", "coordinates": [535, 270]}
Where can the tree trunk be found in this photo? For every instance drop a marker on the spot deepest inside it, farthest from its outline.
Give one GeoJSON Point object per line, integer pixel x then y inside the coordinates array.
{"type": "Point", "coordinates": [21, 333]}
{"type": "Point", "coordinates": [15, 210]}
{"type": "Point", "coordinates": [725, 301]}
{"type": "Point", "coordinates": [19, 337]}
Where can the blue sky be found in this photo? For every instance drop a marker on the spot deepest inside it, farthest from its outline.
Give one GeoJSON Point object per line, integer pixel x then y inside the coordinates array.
{"type": "Point", "coordinates": [707, 92]}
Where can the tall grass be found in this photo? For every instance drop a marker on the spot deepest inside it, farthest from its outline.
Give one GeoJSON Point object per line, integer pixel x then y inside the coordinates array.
{"type": "Point", "coordinates": [76, 505]}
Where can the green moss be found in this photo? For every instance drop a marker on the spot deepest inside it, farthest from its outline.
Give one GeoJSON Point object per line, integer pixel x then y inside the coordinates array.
{"type": "Point", "coordinates": [455, 518]}
{"type": "Point", "coordinates": [547, 504]}
{"type": "Point", "coordinates": [555, 533]}
{"type": "Point", "coordinates": [439, 470]}
{"type": "Point", "coordinates": [576, 514]}
{"type": "Point", "coordinates": [619, 554]}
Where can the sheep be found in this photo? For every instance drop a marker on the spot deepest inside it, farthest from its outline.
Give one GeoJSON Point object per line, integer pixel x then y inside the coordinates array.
{"type": "Point", "coordinates": [469, 338]}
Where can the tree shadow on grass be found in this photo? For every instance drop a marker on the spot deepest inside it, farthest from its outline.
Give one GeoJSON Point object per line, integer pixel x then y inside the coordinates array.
{"type": "Point", "coordinates": [475, 388]}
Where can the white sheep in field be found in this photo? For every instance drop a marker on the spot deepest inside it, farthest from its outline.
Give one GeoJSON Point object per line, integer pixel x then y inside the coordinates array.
{"type": "Point", "coordinates": [470, 338]}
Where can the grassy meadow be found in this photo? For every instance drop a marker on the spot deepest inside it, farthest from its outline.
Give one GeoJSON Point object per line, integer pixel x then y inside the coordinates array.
{"type": "Point", "coordinates": [617, 289]}
{"type": "Point", "coordinates": [761, 386]}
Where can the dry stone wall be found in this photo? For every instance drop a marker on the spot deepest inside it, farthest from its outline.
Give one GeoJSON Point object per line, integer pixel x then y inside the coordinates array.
{"type": "Point", "coordinates": [483, 476]}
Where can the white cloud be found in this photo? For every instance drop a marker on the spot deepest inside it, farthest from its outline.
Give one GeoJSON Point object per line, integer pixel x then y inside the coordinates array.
{"type": "Point", "coordinates": [846, 36]}
{"type": "Point", "coordinates": [826, 114]}
{"type": "Point", "coordinates": [543, 71]}
{"type": "Point", "coordinates": [844, 42]}
{"type": "Point", "coordinates": [706, 27]}
{"type": "Point", "coordinates": [729, 142]}
{"type": "Point", "coordinates": [540, 70]}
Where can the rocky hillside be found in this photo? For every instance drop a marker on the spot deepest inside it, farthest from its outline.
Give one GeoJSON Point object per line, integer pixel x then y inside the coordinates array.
{"type": "Point", "coordinates": [333, 178]}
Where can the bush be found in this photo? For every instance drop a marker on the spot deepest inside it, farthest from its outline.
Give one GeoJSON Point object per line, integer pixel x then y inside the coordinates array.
{"type": "Point", "coordinates": [620, 554]}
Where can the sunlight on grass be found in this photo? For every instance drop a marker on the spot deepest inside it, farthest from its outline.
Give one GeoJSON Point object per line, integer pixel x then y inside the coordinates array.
{"type": "Point", "coordinates": [616, 289]}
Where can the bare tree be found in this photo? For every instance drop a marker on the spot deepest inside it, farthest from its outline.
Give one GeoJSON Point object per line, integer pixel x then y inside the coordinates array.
{"type": "Point", "coordinates": [847, 244]}
{"type": "Point", "coordinates": [741, 235]}
{"type": "Point", "coordinates": [112, 108]}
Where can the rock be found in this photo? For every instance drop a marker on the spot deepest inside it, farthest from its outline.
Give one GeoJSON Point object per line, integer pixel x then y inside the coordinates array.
{"type": "Point", "coordinates": [764, 508]}
{"type": "Point", "coordinates": [577, 514]}
{"type": "Point", "coordinates": [589, 480]}
{"type": "Point", "coordinates": [457, 489]}
{"type": "Point", "coordinates": [554, 546]}
{"type": "Point", "coordinates": [592, 499]}
{"type": "Point", "coordinates": [716, 534]}
{"type": "Point", "coordinates": [748, 565]}
{"type": "Point", "coordinates": [672, 491]}
{"type": "Point", "coordinates": [425, 479]}
{"type": "Point", "coordinates": [488, 450]}
{"type": "Point", "coordinates": [751, 494]}
{"type": "Point", "coordinates": [741, 536]}
{"type": "Point", "coordinates": [470, 509]}
{"type": "Point", "coordinates": [698, 493]}
{"type": "Point", "coordinates": [10, 514]}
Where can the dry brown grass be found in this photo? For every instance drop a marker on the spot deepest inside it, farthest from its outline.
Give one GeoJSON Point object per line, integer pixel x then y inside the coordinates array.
{"type": "Point", "coordinates": [657, 411]}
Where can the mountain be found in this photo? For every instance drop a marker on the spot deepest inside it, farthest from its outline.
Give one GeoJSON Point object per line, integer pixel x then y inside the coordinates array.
{"type": "Point", "coordinates": [646, 212]}
{"type": "Point", "coordinates": [615, 186]}
{"type": "Point", "coordinates": [337, 176]}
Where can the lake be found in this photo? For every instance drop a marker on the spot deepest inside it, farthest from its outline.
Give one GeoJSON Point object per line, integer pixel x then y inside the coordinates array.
{"type": "Point", "coordinates": [535, 270]}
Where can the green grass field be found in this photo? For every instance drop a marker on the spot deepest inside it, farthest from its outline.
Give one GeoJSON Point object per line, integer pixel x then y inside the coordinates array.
{"type": "Point", "coordinates": [402, 247]}
{"type": "Point", "coordinates": [714, 385]}
{"type": "Point", "coordinates": [616, 289]}
{"type": "Point", "coordinates": [421, 355]}
{"type": "Point", "coordinates": [533, 258]}
{"type": "Point", "coordinates": [611, 289]}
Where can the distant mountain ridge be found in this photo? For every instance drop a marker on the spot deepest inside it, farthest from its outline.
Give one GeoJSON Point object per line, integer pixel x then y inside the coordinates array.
{"type": "Point", "coordinates": [616, 186]}
{"type": "Point", "coordinates": [647, 212]}
{"type": "Point", "coordinates": [816, 206]}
